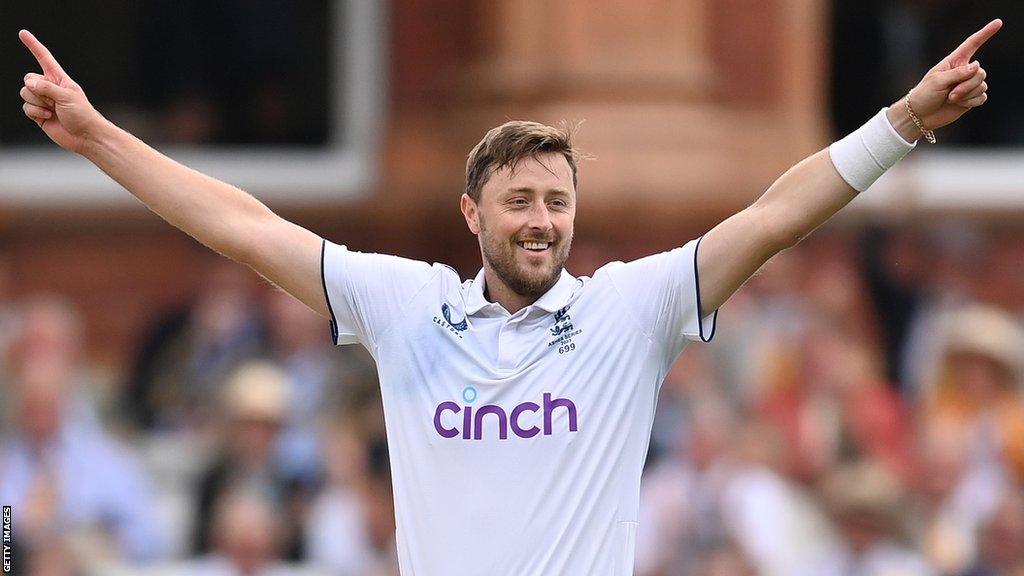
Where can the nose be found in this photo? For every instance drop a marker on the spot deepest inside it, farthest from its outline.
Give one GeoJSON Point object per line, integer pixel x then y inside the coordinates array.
{"type": "Point", "coordinates": [540, 218]}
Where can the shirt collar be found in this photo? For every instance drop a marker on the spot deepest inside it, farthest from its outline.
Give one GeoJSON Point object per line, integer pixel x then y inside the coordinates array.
{"type": "Point", "coordinates": [554, 299]}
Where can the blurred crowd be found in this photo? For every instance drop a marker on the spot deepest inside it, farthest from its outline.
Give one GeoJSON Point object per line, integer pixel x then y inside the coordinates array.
{"type": "Point", "coordinates": [242, 442]}
{"type": "Point", "coordinates": [859, 413]}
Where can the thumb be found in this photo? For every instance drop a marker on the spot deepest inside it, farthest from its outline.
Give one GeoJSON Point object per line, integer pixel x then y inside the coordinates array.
{"type": "Point", "coordinates": [950, 78]}
{"type": "Point", "coordinates": [58, 94]}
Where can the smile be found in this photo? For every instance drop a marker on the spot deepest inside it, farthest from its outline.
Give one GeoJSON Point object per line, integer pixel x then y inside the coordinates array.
{"type": "Point", "coordinates": [534, 246]}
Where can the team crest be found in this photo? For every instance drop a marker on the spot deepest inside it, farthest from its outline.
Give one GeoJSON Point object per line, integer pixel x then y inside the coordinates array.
{"type": "Point", "coordinates": [563, 331]}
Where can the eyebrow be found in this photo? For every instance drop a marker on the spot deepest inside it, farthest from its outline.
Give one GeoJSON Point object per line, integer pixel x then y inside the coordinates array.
{"type": "Point", "coordinates": [529, 189]}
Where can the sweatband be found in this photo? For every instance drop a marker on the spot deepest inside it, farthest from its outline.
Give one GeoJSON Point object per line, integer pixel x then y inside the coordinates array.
{"type": "Point", "coordinates": [864, 155]}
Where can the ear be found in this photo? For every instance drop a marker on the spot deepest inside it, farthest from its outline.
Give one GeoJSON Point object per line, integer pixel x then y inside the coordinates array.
{"type": "Point", "coordinates": [471, 212]}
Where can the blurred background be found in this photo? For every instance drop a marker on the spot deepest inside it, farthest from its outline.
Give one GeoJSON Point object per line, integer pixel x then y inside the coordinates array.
{"type": "Point", "coordinates": [166, 411]}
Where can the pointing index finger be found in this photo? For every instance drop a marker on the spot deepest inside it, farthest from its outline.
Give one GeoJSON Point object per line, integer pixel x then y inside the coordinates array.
{"type": "Point", "coordinates": [46, 60]}
{"type": "Point", "coordinates": [965, 51]}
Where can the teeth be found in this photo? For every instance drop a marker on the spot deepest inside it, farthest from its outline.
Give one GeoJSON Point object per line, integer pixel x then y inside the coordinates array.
{"type": "Point", "coordinates": [535, 245]}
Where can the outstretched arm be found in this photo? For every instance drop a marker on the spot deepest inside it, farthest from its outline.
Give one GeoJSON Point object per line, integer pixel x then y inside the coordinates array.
{"type": "Point", "coordinates": [217, 214]}
{"type": "Point", "coordinates": [809, 193]}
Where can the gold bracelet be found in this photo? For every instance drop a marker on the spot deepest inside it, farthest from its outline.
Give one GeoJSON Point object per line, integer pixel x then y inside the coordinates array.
{"type": "Point", "coordinates": [928, 134]}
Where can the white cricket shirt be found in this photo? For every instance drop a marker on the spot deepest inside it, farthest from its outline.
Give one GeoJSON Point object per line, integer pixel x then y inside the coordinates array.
{"type": "Point", "coordinates": [517, 441]}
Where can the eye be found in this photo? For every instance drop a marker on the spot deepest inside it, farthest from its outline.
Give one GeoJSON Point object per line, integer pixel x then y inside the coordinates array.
{"type": "Point", "coordinates": [519, 202]}
{"type": "Point", "coordinates": [559, 203]}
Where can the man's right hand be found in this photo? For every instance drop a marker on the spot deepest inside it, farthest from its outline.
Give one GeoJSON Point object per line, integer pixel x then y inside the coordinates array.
{"type": "Point", "coordinates": [55, 102]}
{"type": "Point", "coordinates": [217, 214]}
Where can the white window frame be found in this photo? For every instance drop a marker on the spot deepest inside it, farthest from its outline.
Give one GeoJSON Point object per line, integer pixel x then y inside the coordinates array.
{"type": "Point", "coordinates": [964, 180]}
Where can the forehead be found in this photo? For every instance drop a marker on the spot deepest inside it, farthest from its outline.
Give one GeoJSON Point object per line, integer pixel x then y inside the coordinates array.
{"type": "Point", "coordinates": [548, 171]}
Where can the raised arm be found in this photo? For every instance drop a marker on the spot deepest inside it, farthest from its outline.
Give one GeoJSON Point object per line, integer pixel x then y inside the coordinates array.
{"type": "Point", "coordinates": [809, 193]}
{"type": "Point", "coordinates": [219, 215]}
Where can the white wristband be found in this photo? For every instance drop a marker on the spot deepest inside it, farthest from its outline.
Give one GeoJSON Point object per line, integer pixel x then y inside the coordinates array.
{"type": "Point", "coordinates": [864, 155]}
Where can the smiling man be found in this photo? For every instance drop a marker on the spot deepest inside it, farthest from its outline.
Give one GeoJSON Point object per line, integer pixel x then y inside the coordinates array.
{"type": "Point", "coordinates": [518, 404]}
{"type": "Point", "coordinates": [529, 172]}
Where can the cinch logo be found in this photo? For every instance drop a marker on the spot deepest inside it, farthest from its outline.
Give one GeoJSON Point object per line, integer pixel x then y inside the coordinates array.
{"type": "Point", "coordinates": [473, 421]}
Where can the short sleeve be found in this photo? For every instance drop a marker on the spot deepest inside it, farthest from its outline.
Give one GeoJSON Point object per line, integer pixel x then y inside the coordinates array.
{"type": "Point", "coordinates": [367, 292]}
{"type": "Point", "coordinates": [662, 293]}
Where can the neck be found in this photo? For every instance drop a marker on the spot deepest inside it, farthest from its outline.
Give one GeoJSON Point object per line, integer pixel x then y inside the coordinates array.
{"type": "Point", "coordinates": [498, 292]}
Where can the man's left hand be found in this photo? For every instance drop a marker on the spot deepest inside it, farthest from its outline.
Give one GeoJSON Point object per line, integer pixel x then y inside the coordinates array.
{"type": "Point", "coordinates": [954, 85]}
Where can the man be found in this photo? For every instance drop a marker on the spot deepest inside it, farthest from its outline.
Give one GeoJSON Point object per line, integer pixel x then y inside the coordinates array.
{"type": "Point", "coordinates": [518, 404]}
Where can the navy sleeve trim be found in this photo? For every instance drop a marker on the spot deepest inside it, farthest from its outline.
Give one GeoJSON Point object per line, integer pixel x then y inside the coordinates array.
{"type": "Point", "coordinates": [696, 283]}
{"type": "Point", "coordinates": [327, 296]}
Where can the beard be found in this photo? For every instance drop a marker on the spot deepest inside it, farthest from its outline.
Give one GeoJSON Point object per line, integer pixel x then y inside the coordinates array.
{"type": "Point", "coordinates": [530, 282]}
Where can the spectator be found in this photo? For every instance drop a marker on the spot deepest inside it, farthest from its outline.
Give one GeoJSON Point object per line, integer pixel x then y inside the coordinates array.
{"type": "Point", "coordinates": [64, 476]}
{"type": "Point", "coordinates": [774, 523]}
{"type": "Point", "coordinates": [895, 268]}
{"type": "Point", "coordinates": [956, 495]}
{"type": "Point", "coordinates": [248, 538]}
{"type": "Point", "coordinates": [318, 375]}
{"type": "Point", "coordinates": [838, 406]}
{"type": "Point", "coordinates": [188, 354]}
{"type": "Point", "coordinates": [255, 404]}
{"type": "Point", "coordinates": [680, 508]}
{"type": "Point", "coordinates": [755, 342]}
{"type": "Point", "coordinates": [977, 387]}
{"type": "Point", "coordinates": [955, 262]}
{"type": "Point", "coordinates": [866, 503]}
{"type": "Point", "coordinates": [718, 493]}
{"type": "Point", "coordinates": [350, 522]}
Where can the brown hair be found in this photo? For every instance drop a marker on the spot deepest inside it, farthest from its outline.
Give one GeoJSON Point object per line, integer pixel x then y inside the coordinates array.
{"type": "Point", "coordinates": [512, 142]}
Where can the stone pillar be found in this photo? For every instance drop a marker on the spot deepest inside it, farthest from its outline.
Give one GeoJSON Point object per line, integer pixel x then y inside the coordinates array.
{"type": "Point", "coordinates": [691, 108]}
